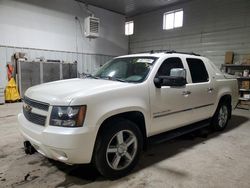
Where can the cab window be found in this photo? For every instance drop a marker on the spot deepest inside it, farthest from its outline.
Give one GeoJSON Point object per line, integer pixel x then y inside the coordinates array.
{"type": "Point", "coordinates": [168, 64]}
{"type": "Point", "coordinates": [198, 70]}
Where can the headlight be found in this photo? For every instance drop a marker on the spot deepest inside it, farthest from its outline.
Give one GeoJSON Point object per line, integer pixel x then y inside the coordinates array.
{"type": "Point", "coordinates": [68, 116]}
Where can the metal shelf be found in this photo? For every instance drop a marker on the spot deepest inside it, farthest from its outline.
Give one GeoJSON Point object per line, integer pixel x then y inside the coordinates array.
{"type": "Point", "coordinates": [234, 65]}
{"type": "Point", "coordinates": [243, 103]}
{"type": "Point", "coordinates": [246, 90]}
{"type": "Point", "coordinates": [243, 78]}
{"type": "Point", "coordinates": [243, 99]}
{"type": "Point", "coordinates": [244, 107]}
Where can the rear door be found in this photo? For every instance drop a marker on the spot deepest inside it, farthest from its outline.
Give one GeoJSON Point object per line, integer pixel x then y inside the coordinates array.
{"type": "Point", "coordinates": [202, 89]}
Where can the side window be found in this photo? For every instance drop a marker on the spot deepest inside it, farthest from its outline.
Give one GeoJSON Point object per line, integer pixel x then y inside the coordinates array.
{"type": "Point", "coordinates": [168, 64]}
{"type": "Point", "coordinates": [198, 70]}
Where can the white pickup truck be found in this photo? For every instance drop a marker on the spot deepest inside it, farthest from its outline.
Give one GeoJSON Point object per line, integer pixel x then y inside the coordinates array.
{"type": "Point", "coordinates": [107, 118]}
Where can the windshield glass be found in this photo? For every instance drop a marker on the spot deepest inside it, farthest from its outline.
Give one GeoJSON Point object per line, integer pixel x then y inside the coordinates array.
{"type": "Point", "coordinates": [128, 69]}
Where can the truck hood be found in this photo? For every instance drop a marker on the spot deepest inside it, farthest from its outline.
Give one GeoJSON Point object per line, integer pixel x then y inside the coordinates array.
{"type": "Point", "coordinates": [62, 92]}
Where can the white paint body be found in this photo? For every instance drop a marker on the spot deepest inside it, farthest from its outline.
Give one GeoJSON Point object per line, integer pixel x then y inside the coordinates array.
{"type": "Point", "coordinates": [106, 98]}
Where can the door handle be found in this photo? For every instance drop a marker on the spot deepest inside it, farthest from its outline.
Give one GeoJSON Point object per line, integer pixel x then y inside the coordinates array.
{"type": "Point", "coordinates": [209, 90]}
{"type": "Point", "coordinates": [186, 92]}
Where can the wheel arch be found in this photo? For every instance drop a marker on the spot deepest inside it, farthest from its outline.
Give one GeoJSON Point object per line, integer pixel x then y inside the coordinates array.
{"type": "Point", "coordinates": [226, 98]}
{"type": "Point", "coordinates": [134, 116]}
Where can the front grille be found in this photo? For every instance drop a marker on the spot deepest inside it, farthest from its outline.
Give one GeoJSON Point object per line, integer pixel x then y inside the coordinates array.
{"type": "Point", "coordinates": [34, 118]}
{"type": "Point", "coordinates": [36, 104]}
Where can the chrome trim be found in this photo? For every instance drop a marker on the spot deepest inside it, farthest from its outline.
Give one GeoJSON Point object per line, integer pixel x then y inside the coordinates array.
{"type": "Point", "coordinates": [171, 113]}
{"type": "Point", "coordinates": [34, 118]}
{"type": "Point", "coordinates": [36, 104]}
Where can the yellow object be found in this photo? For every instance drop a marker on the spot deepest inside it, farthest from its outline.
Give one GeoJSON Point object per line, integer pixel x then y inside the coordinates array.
{"type": "Point", "coordinates": [11, 92]}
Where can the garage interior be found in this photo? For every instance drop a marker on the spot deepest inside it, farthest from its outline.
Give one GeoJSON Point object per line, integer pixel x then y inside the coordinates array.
{"type": "Point", "coordinates": [47, 41]}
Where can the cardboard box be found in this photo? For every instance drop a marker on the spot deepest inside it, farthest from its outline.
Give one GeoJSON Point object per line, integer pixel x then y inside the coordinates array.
{"type": "Point", "coordinates": [245, 62]}
{"type": "Point", "coordinates": [229, 57]}
{"type": "Point", "coordinates": [245, 85]}
{"type": "Point", "coordinates": [20, 55]}
{"type": "Point", "coordinates": [246, 59]}
{"type": "Point", "coordinates": [246, 56]}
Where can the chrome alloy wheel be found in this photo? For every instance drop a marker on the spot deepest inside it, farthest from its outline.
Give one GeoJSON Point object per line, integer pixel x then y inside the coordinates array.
{"type": "Point", "coordinates": [223, 116]}
{"type": "Point", "coordinates": [121, 149]}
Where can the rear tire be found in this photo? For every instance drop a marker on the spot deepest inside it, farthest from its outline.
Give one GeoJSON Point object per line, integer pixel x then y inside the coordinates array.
{"type": "Point", "coordinates": [118, 148]}
{"type": "Point", "coordinates": [221, 116]}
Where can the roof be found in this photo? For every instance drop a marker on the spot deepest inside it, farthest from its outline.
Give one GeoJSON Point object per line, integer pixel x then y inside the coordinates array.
{"type": "Point", "coordinates": [162, 54]}
{"type": "Point", "coordinates": [132, 7]}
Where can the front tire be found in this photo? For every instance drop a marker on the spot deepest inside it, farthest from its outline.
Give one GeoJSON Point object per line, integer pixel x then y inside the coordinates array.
{"type": "Point", "coordinates": [221, 116]}
{"type": "Point", "coordinates": [118, 148]}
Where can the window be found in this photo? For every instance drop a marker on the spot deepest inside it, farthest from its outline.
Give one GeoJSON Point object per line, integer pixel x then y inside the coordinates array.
{"type": "Point", "coordinates": [168, 64]}
{"type": "Point", "coordinates": [198, 70]}
{"type": "Point", "coordinates": [129, 28]}
{"type": "Point", "coordinates": [127, 69]}
{"type": "Point", "coordinates": [173, 19]}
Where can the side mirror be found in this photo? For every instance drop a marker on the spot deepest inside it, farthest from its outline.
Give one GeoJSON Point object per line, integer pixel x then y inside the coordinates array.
{"type": "Point", "coordinates": [177, 78]}
{"type": "Point", "coordinates": [158, 82]}
{"type": "Point", "coordinates": [178, 72]}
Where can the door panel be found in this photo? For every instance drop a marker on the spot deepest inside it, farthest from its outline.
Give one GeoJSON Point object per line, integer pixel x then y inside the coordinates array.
{"type": "Point", "coordinates": [170, 106]}
{"type": "Point", "coordinates": [202, 88]}
{"type": "Point", "coordinates": [204, 100]}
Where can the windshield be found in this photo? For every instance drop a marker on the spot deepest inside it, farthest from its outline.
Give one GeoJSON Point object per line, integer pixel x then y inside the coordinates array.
{"type": "Point", "coordinates": [128, 69]}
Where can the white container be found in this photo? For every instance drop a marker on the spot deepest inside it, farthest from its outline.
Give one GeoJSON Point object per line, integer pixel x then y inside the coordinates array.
{"type": "Point", "coordinates": [246, 73]}
{"type": "Point", "coordinates": [246, 96]}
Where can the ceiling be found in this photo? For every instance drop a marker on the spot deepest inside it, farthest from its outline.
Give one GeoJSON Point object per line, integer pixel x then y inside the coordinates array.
{"type": "Point", "coordinates": [131, 7]}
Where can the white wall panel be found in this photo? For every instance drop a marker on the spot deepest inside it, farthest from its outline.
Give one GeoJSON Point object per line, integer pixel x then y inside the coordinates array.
{"type": "Point", "coordinates": [210, 28]}
{"type": "Point", "coordinates": [45, 28]}
{"type": "Point", "coordinates": [51, 25]}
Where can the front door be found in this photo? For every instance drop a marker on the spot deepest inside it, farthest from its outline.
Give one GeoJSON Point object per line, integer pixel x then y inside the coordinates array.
{"type": "Point", "coordinates": [170, 106]}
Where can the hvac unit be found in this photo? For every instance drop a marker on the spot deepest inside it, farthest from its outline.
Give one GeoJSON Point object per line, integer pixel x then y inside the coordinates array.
{"type": "Point", "coordinates": [92, 27]}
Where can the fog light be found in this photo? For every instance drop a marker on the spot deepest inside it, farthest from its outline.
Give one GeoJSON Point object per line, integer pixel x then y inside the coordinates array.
{"type": "Point", "coordinates": [60, 155]}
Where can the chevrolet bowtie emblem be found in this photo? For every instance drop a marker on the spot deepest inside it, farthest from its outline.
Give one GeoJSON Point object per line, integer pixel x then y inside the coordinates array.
{"type": "Point", "coordinates": [27, 107]}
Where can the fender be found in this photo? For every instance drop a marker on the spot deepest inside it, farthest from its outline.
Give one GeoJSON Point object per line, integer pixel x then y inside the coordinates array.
{"type": "Point", "coordinates": [124, 110]}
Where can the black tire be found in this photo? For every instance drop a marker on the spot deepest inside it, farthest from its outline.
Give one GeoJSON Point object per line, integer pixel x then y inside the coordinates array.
{"type": "Point", "coordinates": [221, 116]}
{"type": "Point", "coordinates": [108, 138]}
{"type": "Point", "coordinates": [28, 148]}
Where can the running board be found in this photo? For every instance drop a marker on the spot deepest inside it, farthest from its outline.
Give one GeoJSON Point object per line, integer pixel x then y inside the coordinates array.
{"type": "Point", "coordinates": [163, 137]}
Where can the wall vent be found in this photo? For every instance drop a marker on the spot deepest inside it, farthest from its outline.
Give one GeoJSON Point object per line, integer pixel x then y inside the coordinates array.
{"type": "Point", "coordinates": [92, 27]}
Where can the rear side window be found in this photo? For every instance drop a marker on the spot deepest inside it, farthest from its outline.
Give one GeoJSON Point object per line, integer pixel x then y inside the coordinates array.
{"type": "Point", "coordinates": [198, 70]}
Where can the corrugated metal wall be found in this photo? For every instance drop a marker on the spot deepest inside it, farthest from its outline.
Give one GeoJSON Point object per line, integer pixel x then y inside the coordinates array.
{"type": "Point", "coordinates": [210, 28]}
{"type": "Point", "coordinates": [34, 73]}
{"type": "Point", "coordinates": [87, 63]}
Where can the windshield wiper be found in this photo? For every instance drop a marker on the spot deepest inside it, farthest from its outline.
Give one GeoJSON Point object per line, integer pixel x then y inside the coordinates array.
{"type": "Point", "coordinates": [85, 75]}
{"type": "Point", "coordinates": [91, 76]}
{"type": "Point", "coordinates": [118, 79]}
{"type": "Point", "coordinates": [113, 78]}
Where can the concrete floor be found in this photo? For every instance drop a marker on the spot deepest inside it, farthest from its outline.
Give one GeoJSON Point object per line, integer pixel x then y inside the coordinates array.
{"type": "Point", "coordinates": [220, 160]}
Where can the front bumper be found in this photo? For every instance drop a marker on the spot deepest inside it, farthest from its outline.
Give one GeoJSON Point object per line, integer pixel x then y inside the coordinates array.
{"type": "Point", "coordinates": [68, 145]}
